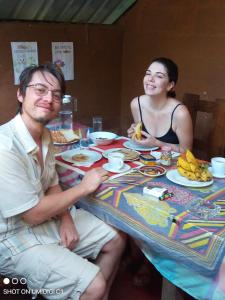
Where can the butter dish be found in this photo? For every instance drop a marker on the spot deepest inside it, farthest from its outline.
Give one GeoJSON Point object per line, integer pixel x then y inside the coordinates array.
{"type": "Point", "coordinates": [148, 159]}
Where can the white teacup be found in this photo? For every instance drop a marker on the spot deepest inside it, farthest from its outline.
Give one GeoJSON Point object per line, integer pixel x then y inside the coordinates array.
{"type": "Point", "coordinates": [218, 166]}
{"type": "Point", "coordinates": [116, 161]}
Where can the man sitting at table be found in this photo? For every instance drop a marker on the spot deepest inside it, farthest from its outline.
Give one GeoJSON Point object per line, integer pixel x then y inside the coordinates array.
{"type": "Point", "coordinates": [44, 238]}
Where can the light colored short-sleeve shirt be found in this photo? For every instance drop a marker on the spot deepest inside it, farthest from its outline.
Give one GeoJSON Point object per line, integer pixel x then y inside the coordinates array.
{"type": "Point", "coordinates": [22, 184]}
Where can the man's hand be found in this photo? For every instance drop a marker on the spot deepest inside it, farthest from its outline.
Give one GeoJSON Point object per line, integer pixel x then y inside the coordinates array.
{"type": "Point", "coordinates": [93, 178]}
{"type": "Point", "coordinates": [68, 233]}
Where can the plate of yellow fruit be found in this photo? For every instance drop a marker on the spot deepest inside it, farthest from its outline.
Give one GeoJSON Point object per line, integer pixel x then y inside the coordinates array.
{"type": "Point", "coordinates": [190, 172]}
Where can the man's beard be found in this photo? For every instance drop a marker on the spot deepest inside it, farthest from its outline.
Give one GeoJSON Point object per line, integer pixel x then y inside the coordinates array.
{"type": "Point", "coordinates": [42, 121]}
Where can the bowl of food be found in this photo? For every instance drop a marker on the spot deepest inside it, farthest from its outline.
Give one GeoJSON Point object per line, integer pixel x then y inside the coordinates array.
{"type": "Point", "coordinates": [102, 137]}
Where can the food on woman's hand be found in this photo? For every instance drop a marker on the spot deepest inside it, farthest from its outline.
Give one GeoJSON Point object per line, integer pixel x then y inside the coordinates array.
{"type": "Point", "coordinates": [191, 168]}
{"type": "Point", "coordinates": [137, 132]}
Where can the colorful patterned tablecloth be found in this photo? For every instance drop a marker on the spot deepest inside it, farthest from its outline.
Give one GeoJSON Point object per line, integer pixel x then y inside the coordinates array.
{"type": "Point", "coordinates": [187, 250]}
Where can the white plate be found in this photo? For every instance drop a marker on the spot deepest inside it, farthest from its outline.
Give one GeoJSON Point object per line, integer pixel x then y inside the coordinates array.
{"type": "Point", "coordinates": [131, 145]}
{"type": "Point", "coordinates": [120, 150]}
{"type": "Point", "coordinates": [175, 177]}
{"type": "Point", "coordinates": [125, 168]}
{"type": "Point", "coordinates": [92, 156]}
{"type": "Point", "coordinates": [216, 176]}
{"type": "Point", "coordinates": [157, 154]}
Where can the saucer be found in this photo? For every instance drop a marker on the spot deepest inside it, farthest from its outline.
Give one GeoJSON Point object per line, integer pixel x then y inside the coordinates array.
{"type": "Point", "coordinates": [125, 168]}
{"type": "Point", "coordinates": [215, 175]}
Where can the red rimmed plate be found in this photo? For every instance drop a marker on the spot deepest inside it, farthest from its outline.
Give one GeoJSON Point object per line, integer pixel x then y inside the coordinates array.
{"type": "Point", "coordinates": [152, 171]}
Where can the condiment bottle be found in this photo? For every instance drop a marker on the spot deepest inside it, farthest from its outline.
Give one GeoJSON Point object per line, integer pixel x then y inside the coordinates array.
{"type": "Point", "coordinates": [166, 156]}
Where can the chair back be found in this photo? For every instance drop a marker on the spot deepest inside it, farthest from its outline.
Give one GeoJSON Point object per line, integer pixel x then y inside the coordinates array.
{"type": "Point", "coordinates": [218, 137]}
{"type": "Point", "coordinates": [209, 125]}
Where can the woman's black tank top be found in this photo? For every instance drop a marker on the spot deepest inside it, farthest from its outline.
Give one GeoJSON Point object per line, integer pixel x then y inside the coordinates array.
{"type": "Point", "coordinates": [170, 137]}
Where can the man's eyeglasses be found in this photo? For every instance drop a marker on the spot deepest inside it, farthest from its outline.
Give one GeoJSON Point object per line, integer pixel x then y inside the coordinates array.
{"type": "Point", "coordinates": [42, 90]}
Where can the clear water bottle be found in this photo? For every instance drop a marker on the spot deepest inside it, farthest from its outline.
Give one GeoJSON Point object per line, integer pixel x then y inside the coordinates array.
{"type": "Point", "coordinates": [66, 113]}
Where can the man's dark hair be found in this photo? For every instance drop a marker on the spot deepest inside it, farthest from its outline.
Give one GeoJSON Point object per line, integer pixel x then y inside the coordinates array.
{"type": "Point", "coordinates": [26, 76]}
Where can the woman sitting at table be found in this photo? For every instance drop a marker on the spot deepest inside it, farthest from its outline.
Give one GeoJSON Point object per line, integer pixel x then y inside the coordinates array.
{"type": "Point", "coordinates": [165, 120]}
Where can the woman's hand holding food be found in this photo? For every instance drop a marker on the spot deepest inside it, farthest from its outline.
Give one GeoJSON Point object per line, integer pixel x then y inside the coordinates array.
{"type": "Point", "coordinates": [141, 137]}
{"type": "Point", "coordinates": [130, 131]}
{"type": "Point", "coordinates": [146, 140]}
{"type": "Point", "coordinates": [134, 132]}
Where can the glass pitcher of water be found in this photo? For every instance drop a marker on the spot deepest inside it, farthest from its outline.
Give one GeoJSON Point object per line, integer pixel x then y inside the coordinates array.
{"type": "Point", "coordinates": [67, 111]}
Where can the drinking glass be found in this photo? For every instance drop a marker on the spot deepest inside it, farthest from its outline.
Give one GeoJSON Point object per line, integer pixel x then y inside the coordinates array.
{"type": "Point", "coordinates": [84, 137]}
{"type": "Point", "coordinates": [97, 123]}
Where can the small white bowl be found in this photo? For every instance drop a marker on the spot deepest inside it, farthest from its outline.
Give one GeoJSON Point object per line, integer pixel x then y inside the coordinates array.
{"type": "Point", "coordinates": [102, 137]}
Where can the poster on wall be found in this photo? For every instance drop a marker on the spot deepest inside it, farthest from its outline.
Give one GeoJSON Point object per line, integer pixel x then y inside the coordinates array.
{"type": "Point", "coordinates": [62, 56]}
{"type": "Point", "coordinates": [24, 54]}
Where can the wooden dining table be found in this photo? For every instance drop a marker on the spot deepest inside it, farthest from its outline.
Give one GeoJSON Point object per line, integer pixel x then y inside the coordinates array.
{"type": "Point", "coordinates": [186, 249]}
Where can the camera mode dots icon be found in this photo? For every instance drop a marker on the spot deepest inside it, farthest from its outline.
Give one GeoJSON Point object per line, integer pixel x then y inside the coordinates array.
{"type": "Point", "coordinates": [6, 280]}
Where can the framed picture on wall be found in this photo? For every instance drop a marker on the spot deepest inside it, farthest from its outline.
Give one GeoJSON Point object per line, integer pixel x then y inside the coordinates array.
{"type": "Point", "coordinates": [24, 54]}
{"type": "Point", "coordinates": [62, 56]}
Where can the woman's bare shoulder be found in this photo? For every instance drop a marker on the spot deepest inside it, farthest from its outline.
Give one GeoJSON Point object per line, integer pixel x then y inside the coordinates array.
{"type": "Point", "coordinates": [134, 101]}
{"type": "Point", "coordinates": [177, 105]}
{"type": "Point", "coordinates": [181, 111]}
{"type": "Point", "coordinates": [174, 101]}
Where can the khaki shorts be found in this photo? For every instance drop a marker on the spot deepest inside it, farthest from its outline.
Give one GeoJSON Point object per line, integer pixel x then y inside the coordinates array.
{"type": "Point", "coordinates": [59, 272]}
